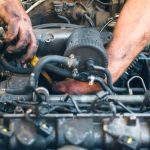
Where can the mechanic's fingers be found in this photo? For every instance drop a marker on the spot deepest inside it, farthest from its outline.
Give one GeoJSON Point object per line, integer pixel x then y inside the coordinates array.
{"type": "Point", "coordinates": [22, 43]}
{"type": "Point", "coordinates": [32, 49]}
{"type": "Point", "coordinates": [12, 32]}
{"type": "Point", "coordinates": [24, 39]}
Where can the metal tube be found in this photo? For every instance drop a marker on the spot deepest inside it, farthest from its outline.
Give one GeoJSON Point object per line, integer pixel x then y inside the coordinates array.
{"type": "Point", "coordinates": [125, 99]}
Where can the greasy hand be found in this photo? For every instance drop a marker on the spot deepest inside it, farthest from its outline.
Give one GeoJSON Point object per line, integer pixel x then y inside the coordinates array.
{"type": "Point", "coordinates": [19, 24]}
{"type": "Point", "coordinates": [75, 87]}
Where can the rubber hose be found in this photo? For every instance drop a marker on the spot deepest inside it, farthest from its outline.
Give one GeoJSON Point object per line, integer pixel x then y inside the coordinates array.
{"type": "Point", "coordinates": [49, 59]}
{"type": "Point", "coordinates": [13, 69]}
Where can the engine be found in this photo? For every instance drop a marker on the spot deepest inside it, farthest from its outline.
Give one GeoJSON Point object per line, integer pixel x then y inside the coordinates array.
{"type": "Point", "coordinates": [72, 37]}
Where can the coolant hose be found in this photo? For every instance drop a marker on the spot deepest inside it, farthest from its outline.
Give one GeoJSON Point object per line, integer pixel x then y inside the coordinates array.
{"type": "Point", "coordinates": [48, 67]}
{"type": "Point", "coordinates": [69, 62]}
{"type": "Point", "coordinates": [57, 70]}
{"type": "Point", "coordinates": [13, 69]}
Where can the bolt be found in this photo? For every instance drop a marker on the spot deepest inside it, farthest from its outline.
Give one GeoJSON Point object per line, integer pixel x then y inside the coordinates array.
{"type": "Point", "coordinates": [92, 79]}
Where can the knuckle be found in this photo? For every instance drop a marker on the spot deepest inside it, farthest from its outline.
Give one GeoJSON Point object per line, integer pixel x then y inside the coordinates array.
{"type": "Point", "coordinates": [29, 57]}
{"type": "Point", "coordinates": [22, 41]}
{"type": "Point", "coordinates": [27, 20]}
{"type": "Point", "coordinates": [21, 44]}
{"type": "Point", "coordinates": [15, 19]}
{"type": "Point", "coordinates": [9, 36]}
{"type": "Point", "coordinates": [27, 33]}
{"type": "Point", "coordinates": [35, 46]}
{"type": "Point", "coordinates": [32, 53]}
{"type": "Point", "coordinates": [12, 34]}
{"type": "Point", "coordinates": [26, 38]}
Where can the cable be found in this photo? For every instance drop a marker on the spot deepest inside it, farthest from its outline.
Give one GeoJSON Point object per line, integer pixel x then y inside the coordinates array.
{"type": "Point", "coordinates": [82, 5]}
{"type": "Point", "coordinates": [89, 20]}
{"type": "Point", "coordinates": [68, 97]}
{"type": "Point", "coordinates": [102, 83]}
{"type": "Point", "coordinates": [123, 106]}
{"type": "Point", "coordinates": [35, 5]}
{"type": "Point", "coordinates": [100, 97]}
{"type": "Point", "coordinates": [111, 20]}
{"type": "Point", "coordinates": [89, 3]}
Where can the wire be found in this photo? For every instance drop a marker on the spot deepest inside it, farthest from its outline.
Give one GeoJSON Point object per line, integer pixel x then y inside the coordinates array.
{"type": "Point", "coordinates": [103, 84]}
{"type": "Point", "coordinates": [96, 101]}
{"type": "Point", "coordinates": [122, 105]}
{"type": "Point", "coordinates": [109, 21]}
{"type": "Point", "coordinates": [55, 108]}
{"type": "Point", "coordinates": [100, 97]}
{"type": "Point", "coordinates": [103, 3]}
{"type": "Point", "coordinates": [89, 20]}
{"type": "Point", "coordinates": [35, 5]}
{"type": "Point", "coordinates": [68, 97]}
{"type": "Point", "coordinates": [82, 5]}
{"type": "Point", "coordinates": [89, 3]}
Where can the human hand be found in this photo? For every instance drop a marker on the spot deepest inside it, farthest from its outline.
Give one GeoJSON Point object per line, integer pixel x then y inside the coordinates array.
{"type": "Point", "coordinates": [19, 25]}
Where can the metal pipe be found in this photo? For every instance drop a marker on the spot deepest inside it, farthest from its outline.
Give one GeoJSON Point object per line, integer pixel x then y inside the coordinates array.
{"type": "Point", "coordinates": [110, 83]}
{"type": "Point", "coordinates": [125, 99]}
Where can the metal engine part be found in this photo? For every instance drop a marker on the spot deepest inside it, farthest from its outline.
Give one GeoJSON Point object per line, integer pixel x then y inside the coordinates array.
{"type": "Point", "coordinates": [82, 131]}
{"type": "Point", "coordinates": [86, 45]}
{"type": "Point", "coordinates": [76, 12]}
{"type": "Point", "coordinates": [73, 36]}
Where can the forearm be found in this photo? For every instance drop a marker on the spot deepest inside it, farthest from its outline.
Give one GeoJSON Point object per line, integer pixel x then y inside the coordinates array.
{"type": "Point", "coordinates": [131, 35]}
